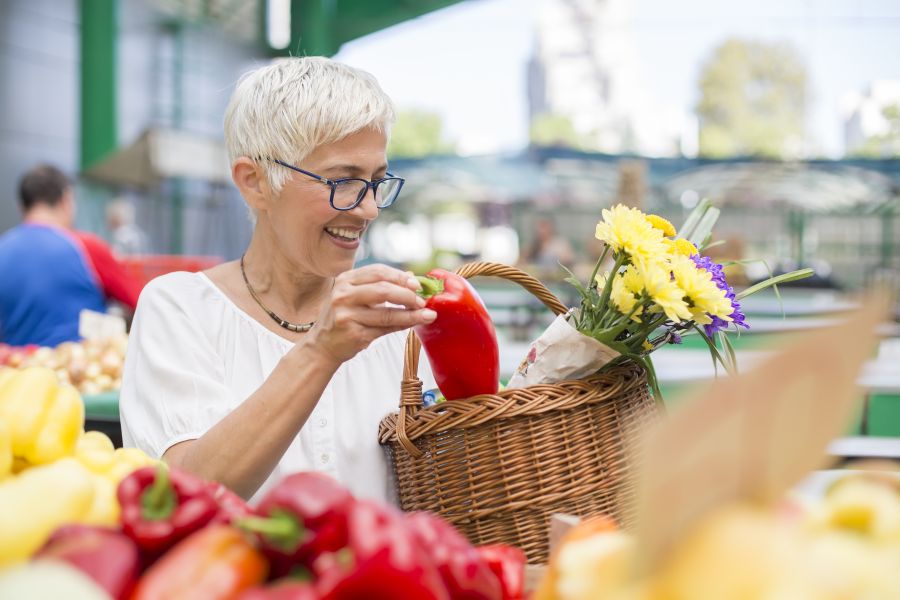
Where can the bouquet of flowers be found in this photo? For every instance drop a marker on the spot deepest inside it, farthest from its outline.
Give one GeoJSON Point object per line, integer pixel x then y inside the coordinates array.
{"type": "Point", "coordinates": [660, 287]}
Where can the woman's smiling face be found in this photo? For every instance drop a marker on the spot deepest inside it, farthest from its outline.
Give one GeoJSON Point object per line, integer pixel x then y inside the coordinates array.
{"type": "Point", "coordinates": [314, 236]}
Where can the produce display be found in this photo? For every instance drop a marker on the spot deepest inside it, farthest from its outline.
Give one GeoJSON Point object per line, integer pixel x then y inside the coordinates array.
{"type": "Point", "coordinates": [91, 366]}
{"type": "Point", "coordinates": [52, 472]}
{"type": "Point", "coordinates": [846, 545]}
{"type": "Point", "coordinates": [112, 523]}
{"type": "Point", "coordinates": [460, 343]}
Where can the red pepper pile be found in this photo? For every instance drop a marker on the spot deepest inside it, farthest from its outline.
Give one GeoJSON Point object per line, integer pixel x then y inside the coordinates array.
{"type": "Point", "coordinates": [460, 343]}
{"type": "Point", "coordinates": [309, 539]}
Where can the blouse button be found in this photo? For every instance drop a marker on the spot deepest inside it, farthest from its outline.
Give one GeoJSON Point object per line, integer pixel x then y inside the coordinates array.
{"type": "Point", "coordinates": [323, 422]}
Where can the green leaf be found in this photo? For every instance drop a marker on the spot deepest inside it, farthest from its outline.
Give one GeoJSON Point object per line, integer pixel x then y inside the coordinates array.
{"type": "Point", "coordinates": [729, 350]}
{"type": "Point", "coordinates": [714, 352]}
{"type": "Point", "coordinates": [703, 231]}
{"type": "Point", "coordinates": [786, 277]}
{"type": "Point", "coordinates": [687, 229]}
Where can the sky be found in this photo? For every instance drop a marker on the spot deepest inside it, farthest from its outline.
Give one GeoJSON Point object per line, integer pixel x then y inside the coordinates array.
{"type": "Point", "coordinates": [468, 62]}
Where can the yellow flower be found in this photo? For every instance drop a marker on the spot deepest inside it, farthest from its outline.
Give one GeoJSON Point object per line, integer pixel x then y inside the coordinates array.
{"type": "Point", "coordinates": [625, 298]}
{"type": "Point", "coordinates": [663, 225]}
{"type": "Point", "coordinates": [665, 293]}
{"type": "Point", "coordinates": [627, 230]}
{"type": "Point", "coordinates": [683, 247]}
{"type": "Point", "coordinates": [701, 290]}
{"type": "Point", "coordinates": [647, 345]}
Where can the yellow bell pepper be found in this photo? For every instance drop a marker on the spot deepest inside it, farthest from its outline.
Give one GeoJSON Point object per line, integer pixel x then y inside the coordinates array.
{"type": "Point", "coordinates": [38, 501]}
{"type": "Point", "coordinates": [6, 457]}
{"type": "Point", "coordinates": [96, 451]}
{"type": "Point", "coordinates": [45, 418]}
{"type": "Point", "coordinates": [104, 509]}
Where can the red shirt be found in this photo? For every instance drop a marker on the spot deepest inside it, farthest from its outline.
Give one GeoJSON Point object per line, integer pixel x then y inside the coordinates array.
{"type": "Point", "coordinates": [111, 276]}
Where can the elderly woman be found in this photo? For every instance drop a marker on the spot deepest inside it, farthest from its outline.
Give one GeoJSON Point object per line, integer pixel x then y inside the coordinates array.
{"type": "Point", "coordinates": [287, 359]}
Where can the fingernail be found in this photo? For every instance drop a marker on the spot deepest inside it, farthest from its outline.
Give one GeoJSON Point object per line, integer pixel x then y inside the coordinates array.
{"type": "Point", "coordinates": [420, 302]}
{"type": "Point", "coordinates": [414, 283]}
{"type": "Point", "coordinates": [429, 315]}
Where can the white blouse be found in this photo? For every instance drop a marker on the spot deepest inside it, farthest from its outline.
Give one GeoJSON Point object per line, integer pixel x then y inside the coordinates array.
{"type": "Point", "coordinates": [194, 356]}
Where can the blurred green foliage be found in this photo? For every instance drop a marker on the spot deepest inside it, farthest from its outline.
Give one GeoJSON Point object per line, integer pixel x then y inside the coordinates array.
{"type": "Point", "coordinates": [548, 129]}
{"type": "Point", "coordinates": [886, 145]}
{"type": "Point", "coordinates": [418, 133]}
{"type": "Point", "coordinates": [753, 99]}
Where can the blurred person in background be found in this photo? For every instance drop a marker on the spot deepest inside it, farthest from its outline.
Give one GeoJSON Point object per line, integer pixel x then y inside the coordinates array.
{"type": "Point", "coordinates": [126, 237]}
{"type": "Point", "coordinates": [51, 272]}
{"type": "Point", "coordinates": [549, 249]}
{"type": "Point", "coordinates": [287, 359]}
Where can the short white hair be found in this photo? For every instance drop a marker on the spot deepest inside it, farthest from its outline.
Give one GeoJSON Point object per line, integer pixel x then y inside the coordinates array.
{"type": "Point", "coordinates": [291, 107]}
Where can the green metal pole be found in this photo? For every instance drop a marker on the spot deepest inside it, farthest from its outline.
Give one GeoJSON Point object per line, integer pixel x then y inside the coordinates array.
{"type": "Point", "coordinates": [312, 27]}
{"type": "Point", "coordinates": [177, 224]}
{"type": "Point", "coordinates": [98, 80]}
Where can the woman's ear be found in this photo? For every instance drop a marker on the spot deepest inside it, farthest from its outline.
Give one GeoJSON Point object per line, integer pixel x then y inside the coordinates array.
{"type": "Point", "coordinates": [251, 181]}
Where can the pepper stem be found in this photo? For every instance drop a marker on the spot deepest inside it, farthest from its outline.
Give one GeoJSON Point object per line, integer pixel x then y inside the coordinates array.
{"type": "Point", "coordinates": [158, 500]}
{"type": "Point", "coordinates": [280, 529]}
{"type": "Point", "coordinates": [431, 286]}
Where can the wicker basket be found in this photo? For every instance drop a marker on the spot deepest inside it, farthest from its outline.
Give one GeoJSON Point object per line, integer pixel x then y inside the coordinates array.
{"type": "Point", "coordinates": [497, 466]}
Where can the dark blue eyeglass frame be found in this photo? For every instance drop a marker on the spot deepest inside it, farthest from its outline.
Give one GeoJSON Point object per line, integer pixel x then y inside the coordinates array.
{"type": "Point", "coordinates": [334, 183]}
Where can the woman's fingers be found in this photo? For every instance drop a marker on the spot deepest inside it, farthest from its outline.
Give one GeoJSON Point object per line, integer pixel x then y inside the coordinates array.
{"type": "Point", "coordinates": [377, 273]}
{"type": "Point", "coordinates": [379, 292]}
{"type": "Point", "coordinates": [394, 318]}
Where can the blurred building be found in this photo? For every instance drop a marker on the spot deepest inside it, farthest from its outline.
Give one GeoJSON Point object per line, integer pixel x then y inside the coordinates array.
{"type": "Point", "coordinates": [585, 68]}
{"type": "Point", "coordinates": [864, 113]}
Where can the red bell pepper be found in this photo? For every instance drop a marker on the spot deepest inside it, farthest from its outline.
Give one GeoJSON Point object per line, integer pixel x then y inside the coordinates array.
{"type": "Point", "coordinates": [466, 575]}
{"type": "Point", "coordinates": [508, 563]}
{"type": "Point", "coordinates": [105, 555]}
{"type": "Point", "coordinates": [231, 506]}
{"type": "Point", "coordinates": [161, 506]}
{"type": "Point", "coordinates": [382, 560]}
{"type": "Point", "coordinates": [282, 590]}
{"type": "Point", "coordinates": [216, 563]}
{"type": "Point", "coordinates": [460, 343]}
{"type": "Point", "coordinates": [304, 515]}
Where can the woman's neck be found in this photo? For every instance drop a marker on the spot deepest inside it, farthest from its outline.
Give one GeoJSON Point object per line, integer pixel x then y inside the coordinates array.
{"type": "Point", "coordinates": [279, 283]}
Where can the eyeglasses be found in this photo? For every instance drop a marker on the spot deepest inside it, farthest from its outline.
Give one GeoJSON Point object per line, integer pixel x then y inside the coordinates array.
{"type": "Point", "coordinates": [349, 192]}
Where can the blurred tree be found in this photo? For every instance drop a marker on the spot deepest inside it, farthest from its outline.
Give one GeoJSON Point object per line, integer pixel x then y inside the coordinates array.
{"type": "Point", "coordinates": [418, 133]}
{"type": "Point", "coordinates": [548, 129]}
{"type": "Point", "coordinates": [752, 100]}
{"type": "Point", "coordinates": [884, 145]}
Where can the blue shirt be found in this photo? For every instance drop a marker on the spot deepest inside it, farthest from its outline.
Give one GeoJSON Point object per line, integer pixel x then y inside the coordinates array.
{"type": "Point", "coordinates": [45, 282]}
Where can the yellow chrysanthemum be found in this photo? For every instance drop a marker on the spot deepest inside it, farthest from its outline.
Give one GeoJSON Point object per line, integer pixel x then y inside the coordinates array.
{"type": "Point", "coordinates": [632, 280]}
{"type": "Point", "coordinates": [665, 293]}
{"type": "Point", "coordinates": [627, 230]}
{"type": "Point", "coordinates": [647, 346]}
{"type": "Point", "coordinates": [663, 225]}
{"type": "Point", "coordinates": [684, 247]}
{"type": "Point", "coordinates": [624, 298]}
{"type": "Point", "coordinates": [701, 290]}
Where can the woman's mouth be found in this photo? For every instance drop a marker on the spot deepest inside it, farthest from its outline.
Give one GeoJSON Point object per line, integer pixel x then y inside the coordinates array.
{"type": "Point", "coordinates": [344, 237]}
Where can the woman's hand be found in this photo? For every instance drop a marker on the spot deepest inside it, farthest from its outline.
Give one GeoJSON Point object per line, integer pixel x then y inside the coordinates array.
{"type": "Point", "coordinates": [356, 313]}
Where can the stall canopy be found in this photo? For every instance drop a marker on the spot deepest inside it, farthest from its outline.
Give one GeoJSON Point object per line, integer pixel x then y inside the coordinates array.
{"type": "Point", "coordinates": [161, 154]}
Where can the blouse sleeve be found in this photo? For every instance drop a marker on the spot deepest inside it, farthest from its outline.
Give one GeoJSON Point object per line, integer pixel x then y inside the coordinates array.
{"type": "Point", "coordinates": [173, 384]}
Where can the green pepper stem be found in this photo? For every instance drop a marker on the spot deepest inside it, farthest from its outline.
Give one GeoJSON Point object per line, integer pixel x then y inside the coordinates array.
{"type": "Point", "coordinates": [280, 528]}
{"type": "Point", "coordinates": [431, 286]}
{"type": "Point", "coordinates": [158, 500]}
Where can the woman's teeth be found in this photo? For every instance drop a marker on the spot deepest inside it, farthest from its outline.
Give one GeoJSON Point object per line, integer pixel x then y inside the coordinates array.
{"type": "Point", "coordinates": [347, 234]}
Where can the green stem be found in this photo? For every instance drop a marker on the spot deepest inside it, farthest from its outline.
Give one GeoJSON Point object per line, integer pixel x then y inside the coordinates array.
{"type": "Point", "coordinates": [593, 280]}
{"type": "Point", "coordinates": [158, 500]}
{"type": "Point", "coordinates": [431, 286]}
{"type": "Point", "coordinates": [281, 528]}
{"type": "Point", "coordinates": [607, 289]}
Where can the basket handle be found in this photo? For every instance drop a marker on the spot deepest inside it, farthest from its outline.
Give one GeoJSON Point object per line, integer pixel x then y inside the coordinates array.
{"type": "Point", "coordinates": [411, 385]}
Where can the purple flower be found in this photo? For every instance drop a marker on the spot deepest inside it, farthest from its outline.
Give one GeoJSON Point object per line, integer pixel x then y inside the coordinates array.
{"type": "Point", "coordinates": [718, 276]}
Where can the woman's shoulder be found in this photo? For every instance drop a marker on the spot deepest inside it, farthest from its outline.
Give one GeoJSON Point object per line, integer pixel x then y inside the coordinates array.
{"type": "Point", "coordinates": [180, 286]}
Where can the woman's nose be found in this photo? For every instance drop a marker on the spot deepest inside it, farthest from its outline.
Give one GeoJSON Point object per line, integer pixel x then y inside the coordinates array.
{"type": "Point", "coordinates": [367, 209]}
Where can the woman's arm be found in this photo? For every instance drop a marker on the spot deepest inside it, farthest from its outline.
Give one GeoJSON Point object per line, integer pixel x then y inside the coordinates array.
{"type": "Point", "coordinates": [243, 448]}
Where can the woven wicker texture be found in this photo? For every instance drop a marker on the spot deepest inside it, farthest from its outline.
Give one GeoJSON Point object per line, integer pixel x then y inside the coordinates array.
{"type": "Point", "coordinates": [497, 466]}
